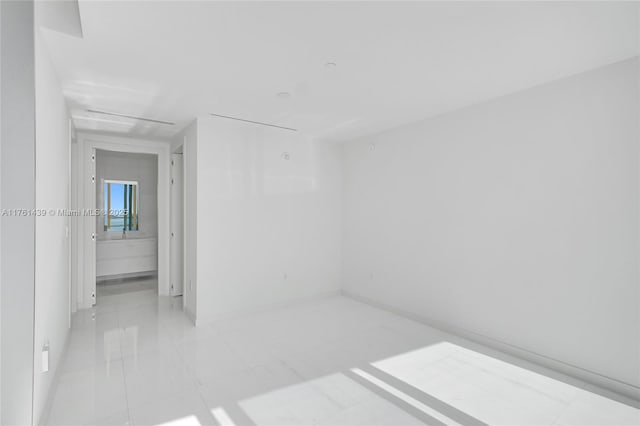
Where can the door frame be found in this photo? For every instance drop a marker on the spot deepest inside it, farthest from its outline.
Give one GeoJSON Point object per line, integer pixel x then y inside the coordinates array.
{"type": "Point", "coordinates": [178, 263]}
{"type": "Point", "coordinates": [85, 263]}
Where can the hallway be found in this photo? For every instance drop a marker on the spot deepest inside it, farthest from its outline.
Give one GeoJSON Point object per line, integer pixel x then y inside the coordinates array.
{"type": "Point", "coordinates": [136, 359]}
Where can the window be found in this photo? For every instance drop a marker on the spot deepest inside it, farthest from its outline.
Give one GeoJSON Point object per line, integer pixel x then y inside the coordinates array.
{"type": "Point", "coordinates": [121, 205]}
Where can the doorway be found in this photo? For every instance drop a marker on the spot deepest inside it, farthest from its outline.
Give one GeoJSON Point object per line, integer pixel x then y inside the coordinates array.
{"type": "Point", "coordinates": [89, 227]}
{"type": "Point", "coordinates": [127, 226]}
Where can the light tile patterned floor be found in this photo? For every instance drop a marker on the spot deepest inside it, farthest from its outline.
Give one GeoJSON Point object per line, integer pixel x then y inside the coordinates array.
{"type": "Point", "coordinates": [136, 359]}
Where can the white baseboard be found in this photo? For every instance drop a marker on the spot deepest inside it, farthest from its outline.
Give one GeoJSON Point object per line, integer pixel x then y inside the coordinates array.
{"type": "Point", "coordinates": [622, 391]}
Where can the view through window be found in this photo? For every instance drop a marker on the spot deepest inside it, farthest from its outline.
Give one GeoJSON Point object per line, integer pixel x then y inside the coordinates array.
{"type": "Point", "coordinates": [121, 205]}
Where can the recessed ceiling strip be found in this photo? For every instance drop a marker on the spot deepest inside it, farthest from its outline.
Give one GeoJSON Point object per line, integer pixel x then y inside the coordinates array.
{"type": "Point", "coordinates": [254, 122]}
{"type": "Point", "coordinates": [131, 116]}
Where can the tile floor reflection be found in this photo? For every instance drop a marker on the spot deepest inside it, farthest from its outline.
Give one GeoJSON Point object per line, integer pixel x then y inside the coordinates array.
{"type": "Point", "coordinates": [136, 359]}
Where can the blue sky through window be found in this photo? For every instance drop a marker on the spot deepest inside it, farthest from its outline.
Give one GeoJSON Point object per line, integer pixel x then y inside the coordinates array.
{"type": "Point", "coordinates": [117, 194]}
{"type": "Point", "coordinates": [118, 205]}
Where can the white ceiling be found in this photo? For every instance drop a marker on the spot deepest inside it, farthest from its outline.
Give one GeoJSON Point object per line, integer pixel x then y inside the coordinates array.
{"type": "Point", "coordinates": [396, 62]}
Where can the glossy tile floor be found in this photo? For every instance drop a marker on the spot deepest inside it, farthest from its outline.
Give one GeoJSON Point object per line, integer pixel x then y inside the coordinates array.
{"type": "Point", "coordinates": [136, 359]}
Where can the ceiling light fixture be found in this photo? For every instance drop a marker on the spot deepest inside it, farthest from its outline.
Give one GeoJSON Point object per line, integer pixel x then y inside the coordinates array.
{"type": "Point", "coordinates": [253, 122]}
{"type": "Point", "coordinates": [134, 117]}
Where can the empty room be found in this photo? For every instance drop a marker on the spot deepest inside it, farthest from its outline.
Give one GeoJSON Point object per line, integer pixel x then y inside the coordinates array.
{"type": "Point", "coordinates": [342, 213]}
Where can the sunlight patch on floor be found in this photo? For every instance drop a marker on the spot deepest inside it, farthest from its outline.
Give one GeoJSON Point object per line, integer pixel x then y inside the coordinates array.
{"type": "Point", "coordinates": [497, 392]}
{"type": "Point", "coordinates": [222, 417]}
{"type": "Point", "coordinates": [403, 396]}
{"type": "Point", "coordinates": [330, 400]}
{"type": "Point", "coordinates": [184, 421]}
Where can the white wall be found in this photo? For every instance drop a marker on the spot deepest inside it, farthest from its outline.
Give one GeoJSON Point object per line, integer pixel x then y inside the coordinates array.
{"type": "Point", "coordinates": [516, 219]}
{"type": "Point", "coordinates": [0, 220]}
{"type": "Point", "coordinates": [269, 229]}
{"type": "Point", "coordinates": [17, 91]}
{"type": "Point", "coordinates": [74, 225]}
{"type": "Point", "coordinates": [142, 168]}
{"type": "Point", "coordinates": [189, 140]}
{"type": "Point", "coordinates": [52, 235]}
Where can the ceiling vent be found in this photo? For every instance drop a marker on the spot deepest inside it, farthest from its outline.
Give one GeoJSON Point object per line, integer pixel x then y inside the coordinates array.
{"type": "Point", "coordinates": [134, 117]}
